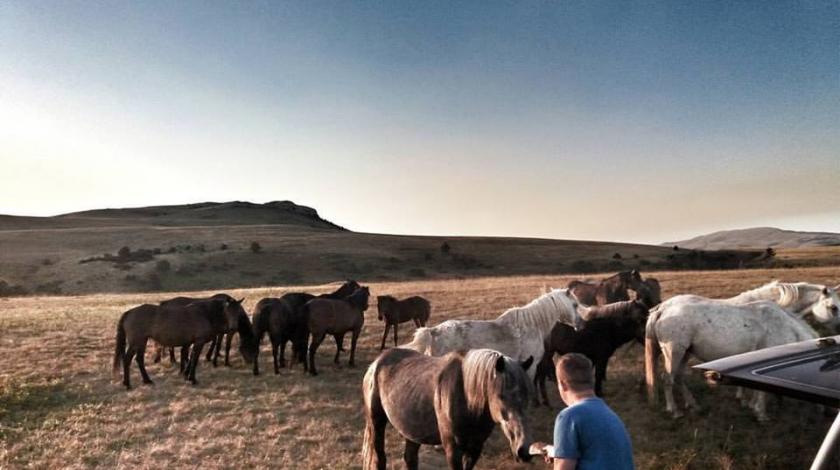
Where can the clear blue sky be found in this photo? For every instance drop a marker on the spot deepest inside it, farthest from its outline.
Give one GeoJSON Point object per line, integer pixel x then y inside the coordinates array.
{"type": "Point", "coordinates": [597, 120]}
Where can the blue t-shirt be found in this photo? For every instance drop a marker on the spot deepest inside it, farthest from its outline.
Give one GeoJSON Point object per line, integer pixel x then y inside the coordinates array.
{"type": "Point", "coordinates": [592, 433]}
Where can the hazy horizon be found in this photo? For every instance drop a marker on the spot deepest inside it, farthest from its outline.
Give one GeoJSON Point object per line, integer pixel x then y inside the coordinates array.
{"type": "Point", "coordinates": [642, 122]}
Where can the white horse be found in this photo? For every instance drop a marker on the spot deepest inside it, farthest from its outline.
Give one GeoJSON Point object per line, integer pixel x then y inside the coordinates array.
{"type": "Point", "coordinates": [519, 333]}
{"type": "Point", "coordinates": [709, 330]}
{"type": "Point", "coordinates": [797, 298]}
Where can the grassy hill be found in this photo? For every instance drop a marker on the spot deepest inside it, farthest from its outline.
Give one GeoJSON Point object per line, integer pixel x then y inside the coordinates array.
{"type": "Point", "coordinates": [759, 237]}
{"type": "Point", "coordinates": [209, 245]}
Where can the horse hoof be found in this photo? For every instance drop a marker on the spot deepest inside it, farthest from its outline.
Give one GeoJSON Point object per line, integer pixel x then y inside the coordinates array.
{"type": "Point", "coordinates": [256, 373]}
{"type": "Point", "coordinates": [148, 382]}
{"type": "Point", "coordinates": [352, 365]}
{"type": "Point", "coordinates": [677, 415]}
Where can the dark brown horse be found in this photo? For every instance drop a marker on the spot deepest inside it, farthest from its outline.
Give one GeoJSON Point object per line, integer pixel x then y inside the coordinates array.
{"type": "Point", "coordinates": [192, 325]}
{"type": "Point", "coordinates": [181, 301]}
{"type": "Point", "coordinates": [395, 311]}
{"type": "Point", "coordinates": [284, 320]}
{"type": "Point", "coordinates": [454, 401]}
{"type": "Point", "coordinates": [605, 330]}
{"type": "Point", "coordinates": [608, 290]}
{"type": "Point", "coordinates": [649, 292]}
{"type": "Point", "coordinates": [336, 317]}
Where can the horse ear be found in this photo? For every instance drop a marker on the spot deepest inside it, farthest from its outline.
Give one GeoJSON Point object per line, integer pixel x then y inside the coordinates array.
{"type": "Point", "coordinates": [500, 364]}
{"type": "Point", "coordinates": [527, 363]}
{"type": "Point", "coordinates": [825, 290]}
{"type": "Point", "coordinates": [240, 300]}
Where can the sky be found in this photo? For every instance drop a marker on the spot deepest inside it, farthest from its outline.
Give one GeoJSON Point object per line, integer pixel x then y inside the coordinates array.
{"type": "Point", "coordinates": [625, 121]}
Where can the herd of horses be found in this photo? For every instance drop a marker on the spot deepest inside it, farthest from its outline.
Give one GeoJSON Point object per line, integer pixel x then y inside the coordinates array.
{"type": "Point", "coordinates": [453, 382]}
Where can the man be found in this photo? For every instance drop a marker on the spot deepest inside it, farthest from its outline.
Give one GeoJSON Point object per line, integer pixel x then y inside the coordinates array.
{"type": "Point", "coordinates": [588, 435]}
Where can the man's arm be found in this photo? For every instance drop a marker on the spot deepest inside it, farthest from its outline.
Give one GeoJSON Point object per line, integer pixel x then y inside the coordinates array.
{"type": "Point", "coordinates": [565, 464]}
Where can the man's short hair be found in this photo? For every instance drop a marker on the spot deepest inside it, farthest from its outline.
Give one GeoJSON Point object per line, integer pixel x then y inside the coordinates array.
{"type": "Point", "coordinates": [576, 370]}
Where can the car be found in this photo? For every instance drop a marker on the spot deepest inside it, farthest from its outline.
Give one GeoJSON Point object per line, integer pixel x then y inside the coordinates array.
{"type": "Point", "coordinates": [808, 370]}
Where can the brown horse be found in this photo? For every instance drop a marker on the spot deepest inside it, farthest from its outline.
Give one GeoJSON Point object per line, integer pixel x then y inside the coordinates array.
{"type": "Point", "coordinates": [181, 301]}
{"type": "Point", "coordinates": [608, 290]}
{"type": "Point", "coordinates": [649, 292]}
{"type": "Point", "coordinates": [395, 311]}
{"type": "Point", "coordinates": [605, 330]}
{"type": "Point", "coordinates": [336, 317]}
{"type": "Point", "coordinates": [194, 325]}
{"type": "Point", "coordinates": [454, 400]}
{"type": "Point", "coordinates": [284, 320]}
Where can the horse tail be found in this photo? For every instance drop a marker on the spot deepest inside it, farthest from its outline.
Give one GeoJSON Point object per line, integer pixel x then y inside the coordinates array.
{"type": "Point", "coordinates": [369, 458]}
{"type": "Point", "coordinates": [119, 349]}
{"type": "Point", "coordinates": [652, 351]}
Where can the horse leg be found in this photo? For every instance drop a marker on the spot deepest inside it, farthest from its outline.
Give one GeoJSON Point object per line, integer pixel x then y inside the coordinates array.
{"type": "Point", "coordinates": [688, 398]}
{"type": "Point", "coordinates": [313, 348]}
{"type": "Point", "coordinates": [600, 373]}
{"type": "Point", "coordinates": [218, 349]}
{"type": "Point", "coordinates": [257, 360]}
{"type": "Point", "coordinates": [471, 457]}
{"type": "Point", "coordinates": [158, 353]}
{"type": "Point", "coordinates": [339, 346]}
{"type": "Point", "coordinates": [353, 340]}
{"type": "Point", "coordinates": [282, 360]}
{"type": "Point", "coordinates": [274, 346]}
{"type": "Point", "coordinates": [194, 361]}
{"type": "Point", "coordinates": [385, 336]}
{"type": "Point", "coordinates": [454, 456]}
{"type": "Point", "coordinates": [185, 355]}
{"type": "Point", "coordinates": [673, 359]}
{"type": "Point", "coordinates": [760, 407]}
{"type": "Point", "coordinates": [375, 422]}
{"type": "Point", "coordinates": [228, 338]}
{"type": "Point", "coordinates": [172, 355]}
{"type": "Point", "coordinates": [129, 355]}
{"type": "Point", "coordinates": [141, 364]}
{"type": "Point", "coordinates": [396, 326]}
{"type": "Point", "coordinates": [210, 351]}
{"type": "Point", "coordinates": [412, 449]}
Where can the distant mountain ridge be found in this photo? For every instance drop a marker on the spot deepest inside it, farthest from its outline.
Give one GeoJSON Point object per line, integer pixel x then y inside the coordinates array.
{"type": "Point", "coordinates": [759, 237]}
{"type": "Point", "coordinates": [201, 214]}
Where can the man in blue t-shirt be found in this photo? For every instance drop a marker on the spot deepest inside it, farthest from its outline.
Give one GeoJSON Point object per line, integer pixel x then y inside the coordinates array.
{"type": "Point", "coordinates": [588, 435]}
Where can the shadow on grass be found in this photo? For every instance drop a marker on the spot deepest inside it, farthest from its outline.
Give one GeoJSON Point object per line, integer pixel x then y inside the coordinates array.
{"type": "Point", "coordinates": [24, 405]}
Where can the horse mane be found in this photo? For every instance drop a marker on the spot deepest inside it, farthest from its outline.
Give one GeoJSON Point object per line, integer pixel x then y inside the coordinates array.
{"type": "Point", "coordinates": [479, 369]}
{"type": "Point", "coordinates": [789, 293]}
{"type": "Point", "coordinates": [539, 314]}
{"type": "Point", "coordinates": [359, 297]}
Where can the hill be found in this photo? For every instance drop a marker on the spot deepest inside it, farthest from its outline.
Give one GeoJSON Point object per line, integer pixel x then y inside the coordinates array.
{"type": "Point", "coordinates": [241, 244]}
{"type": "Point", "coordinates": [759, 238]}
{"type": "Point", "coordinates": [200, 214]}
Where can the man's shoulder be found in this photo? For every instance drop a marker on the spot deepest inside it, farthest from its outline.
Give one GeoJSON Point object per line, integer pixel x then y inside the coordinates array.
{"type": "Point", "coordinates": [589, 407]}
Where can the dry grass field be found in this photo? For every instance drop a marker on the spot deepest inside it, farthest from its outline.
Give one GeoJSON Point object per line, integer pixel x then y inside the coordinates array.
{"type": "Point", "coordinates": [60, 409]}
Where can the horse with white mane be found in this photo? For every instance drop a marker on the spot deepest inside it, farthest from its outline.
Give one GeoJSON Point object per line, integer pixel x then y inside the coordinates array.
{"type": "Point", "coordinates": [713, 329]}
{"type": "Point", "coordinates": [519, 333]}
{"type": "Point", "coordinates": [797, 298]}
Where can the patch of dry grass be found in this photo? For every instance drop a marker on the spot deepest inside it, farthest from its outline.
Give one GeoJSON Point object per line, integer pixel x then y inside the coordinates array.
{"type": "Point", "coordinates": [59, 408]}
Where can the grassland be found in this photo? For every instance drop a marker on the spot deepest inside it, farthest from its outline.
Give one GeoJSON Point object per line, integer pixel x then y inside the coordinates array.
{"type": "Point", "coordinates": [60, 409]}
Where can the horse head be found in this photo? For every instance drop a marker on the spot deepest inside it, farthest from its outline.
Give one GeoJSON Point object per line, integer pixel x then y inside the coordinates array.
{"type": "Point", "coordinates": [383, 304]}
{"type": "Point", "coordinates": [508, 395]}
{"type": "Point", "coordinates": [238, 321]}
{"type": "Point", "coordinates": [827, 308]}
{"type": "Point", "coordinates": [568, 305]}
{"type": "Point", "coordinates": [359, 298]}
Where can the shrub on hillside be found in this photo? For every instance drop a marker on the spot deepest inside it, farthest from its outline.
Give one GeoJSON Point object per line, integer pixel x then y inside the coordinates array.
{"type": "Point", "coordinates": [163, 266]}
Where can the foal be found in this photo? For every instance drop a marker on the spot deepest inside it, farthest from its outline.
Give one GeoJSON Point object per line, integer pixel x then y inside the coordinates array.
{"type": "Point", "coordinates": [606, 329]}
{"type": "Point", "coordinates": [395, 311]}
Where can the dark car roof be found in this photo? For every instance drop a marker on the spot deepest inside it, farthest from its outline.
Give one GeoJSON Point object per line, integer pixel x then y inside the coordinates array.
{"type": "Point", "coordinates": [809, 370]}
